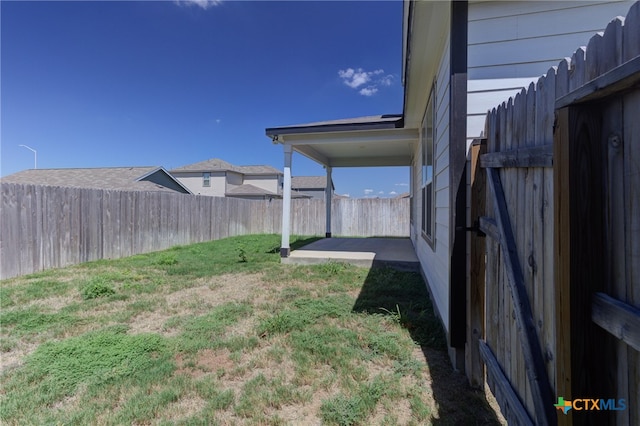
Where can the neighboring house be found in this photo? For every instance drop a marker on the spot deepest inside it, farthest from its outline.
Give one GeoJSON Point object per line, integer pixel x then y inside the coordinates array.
{"type": "Point", "coordinates": [460, 58]}
{"type": "Point", "coordinates": [218, 178]}
{"type": "Point", "coordinates": [311, 186]}
{"type": "Point", "coordinates": [114, 178]}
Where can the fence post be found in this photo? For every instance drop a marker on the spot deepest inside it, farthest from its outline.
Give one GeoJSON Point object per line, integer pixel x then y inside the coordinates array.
{"type": "Point", "coordinates": [476, 279]}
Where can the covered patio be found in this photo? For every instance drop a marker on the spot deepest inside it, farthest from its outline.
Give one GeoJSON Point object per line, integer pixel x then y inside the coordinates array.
{"type": "Point", "coordinates": [397, 253]}
{"type": "Point", "coordinates": [374, 141]}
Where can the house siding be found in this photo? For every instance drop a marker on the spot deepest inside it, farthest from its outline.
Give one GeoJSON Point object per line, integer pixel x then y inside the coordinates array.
{"type": "Point", "coordinates": [317, 194]}
{"type": "Point", "coordinates": [267, 182]}
{"type": "Point", "coordinates": [511, 44]}
{"type": "Point", "coordinates": [234, 179]}
{"type": "Point", "coordinates": [435, 261]}
{"type": "Point", "coordinates": [193, 181]}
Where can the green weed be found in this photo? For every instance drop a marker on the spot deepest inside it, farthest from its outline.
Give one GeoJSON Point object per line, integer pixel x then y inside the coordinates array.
{"type": "Point", "coordinates": [93, 360]}
{"type": "Point", "coordinates": [37, 289]}
{"type": "Point", "coordinates": [347, 410]}
{"type": "Point", "coordinates": [206, 331]}
{"type": "Point", "coordinates": [166, 259]}
{"type": "Point", "coordinates": [242, 252]}
{"type": "Point", "coordinates": [260, 394]}
{"type": "Point", "coordinates": [31, 321]}
{"type": "Point", "coordinates": [97, 287]}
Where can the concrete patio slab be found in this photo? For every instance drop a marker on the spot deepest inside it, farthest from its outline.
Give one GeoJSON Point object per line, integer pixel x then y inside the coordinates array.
{"type": "Point", "coordinates": [397, 253]}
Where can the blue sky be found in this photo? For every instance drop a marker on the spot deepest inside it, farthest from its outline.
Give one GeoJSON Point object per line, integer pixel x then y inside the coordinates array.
{"type": "Point", "coordinates": [99, 84]}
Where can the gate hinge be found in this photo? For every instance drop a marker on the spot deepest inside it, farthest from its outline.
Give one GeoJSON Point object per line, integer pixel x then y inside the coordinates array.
{"type": "Point", "coordinates": [475, 228]}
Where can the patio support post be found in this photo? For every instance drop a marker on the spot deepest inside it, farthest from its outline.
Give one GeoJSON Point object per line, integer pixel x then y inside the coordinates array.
{"type": "Point", "coordinates": [328, 198]}
{"type": "Point", "coordinates": [286, 202]}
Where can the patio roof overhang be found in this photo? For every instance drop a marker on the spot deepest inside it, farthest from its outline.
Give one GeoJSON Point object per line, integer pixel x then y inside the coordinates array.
{"type": "Point", "coordinates": [360, 142]}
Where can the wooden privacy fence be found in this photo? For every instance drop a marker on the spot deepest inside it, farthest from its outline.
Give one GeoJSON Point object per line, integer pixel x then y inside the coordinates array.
{"type": "Point", "coordinates": [555, 309]}
{"type": "Point", "coordinates": [47, 227]}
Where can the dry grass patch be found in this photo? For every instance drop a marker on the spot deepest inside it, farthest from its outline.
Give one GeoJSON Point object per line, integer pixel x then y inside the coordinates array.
{"type": "Point", "coordinates": [182, 409]}
{"type": "Point", "coordinates": [205, 362]}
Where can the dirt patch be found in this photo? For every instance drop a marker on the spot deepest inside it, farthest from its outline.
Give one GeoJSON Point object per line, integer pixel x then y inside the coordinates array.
{"type": "Point", "coordinates": [208, 293]}
{"type": "Point", "coordinates": [16, 356]}
{"type": "Point", "coordinates": [52, 304]}
{"type": "Point", "coordinates": [214, 291]}
{"type": "Point", "coordinates": [183, 408]}
{"type": "Point", "coordinates": [151, 322]}
{"type": "Point", "coordinates": [105, 309]}
{"type": "Point", "coordinates": [206, 362]}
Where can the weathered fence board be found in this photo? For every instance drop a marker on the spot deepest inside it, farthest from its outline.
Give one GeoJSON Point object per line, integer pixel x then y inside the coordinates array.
{"type": "Point", "coordinates": [47, 227]}
{"type": "Point", "coordinates": [571, 183]}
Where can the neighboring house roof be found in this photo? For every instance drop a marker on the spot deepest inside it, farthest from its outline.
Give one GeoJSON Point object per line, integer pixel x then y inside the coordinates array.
{"type": "Point", "coordinates": [403, 195]}
{"type": "Point", "coordinates": [247, 189]}
{"type": "Point", "coordinates": [300, 194]}
{"type": "Point", "coordinates": [309, 182]}
{"type": "Point", "coordinates": [373, 122]}
{"type": "Point", "coordinates": [216, 164]}
{"type": "Point", "coordinates": [114, 178]}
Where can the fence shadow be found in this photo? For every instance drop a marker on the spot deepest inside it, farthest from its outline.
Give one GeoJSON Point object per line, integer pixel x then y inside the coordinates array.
{"type": "Point", "coordinates": [390, 292]}
{"type": "Point", "coordinates": [298, 243]}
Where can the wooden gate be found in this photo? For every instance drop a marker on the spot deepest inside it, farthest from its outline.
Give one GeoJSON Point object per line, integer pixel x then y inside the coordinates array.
{"type": "Point", "coordinates": [554, 287]}
{"type": "Point", "coordinates": [518, 224]}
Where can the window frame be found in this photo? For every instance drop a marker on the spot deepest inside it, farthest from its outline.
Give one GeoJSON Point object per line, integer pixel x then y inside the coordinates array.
{"type": "Point", "coordinates": [428, 162]}
{"type": "Point", "coordinates": [206, 179]}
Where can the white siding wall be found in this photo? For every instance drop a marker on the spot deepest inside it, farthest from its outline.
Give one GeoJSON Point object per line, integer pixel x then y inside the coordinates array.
{"type": "Point", "coordinates": [435, 263]}
{"type": "Point", "coordinates": [270, 183]}
{"type": "Point", "coordinates": [511, 44]}
{"type": "Point", "coordinates": [193, 181]}
{"type": "Point", "coordinates": [234, 178]}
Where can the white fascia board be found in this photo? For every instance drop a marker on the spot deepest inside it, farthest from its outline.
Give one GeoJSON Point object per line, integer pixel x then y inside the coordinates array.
{"type": "Point", "coordinates": [365, 137]}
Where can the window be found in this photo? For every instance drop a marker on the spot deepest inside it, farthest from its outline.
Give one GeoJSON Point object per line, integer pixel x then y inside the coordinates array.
{"type": "Point", "coordinates": [206, 179]}
{"type": "Point", "coordinates": [412, 192]}
{"type": "Point", "coordinates": [428, 144]}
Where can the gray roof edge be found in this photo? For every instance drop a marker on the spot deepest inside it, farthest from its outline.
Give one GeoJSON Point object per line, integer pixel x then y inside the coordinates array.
{"type": "Point", "coordinates": [337, 127]}
{"type": "Point", "coordinates": [277, 172]}
{"type": "Point", "coordinates": [163, 170]}
{"type": "Point", "coordinates": [150, 172]}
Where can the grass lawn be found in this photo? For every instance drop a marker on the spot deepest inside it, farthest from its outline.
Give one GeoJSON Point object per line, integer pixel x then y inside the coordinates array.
{"type": "Point", "coordinates": [222, 333]}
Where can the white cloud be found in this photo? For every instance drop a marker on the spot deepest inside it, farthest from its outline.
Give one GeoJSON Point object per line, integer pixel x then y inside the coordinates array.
{"type": "Point", "coordinates": [402, 184]}
{"type": "Point", "coordinates": [368, 91]}
{"type": "Point", "coordinates": [204, 4]}
{"type": "Point", "coordinates": [387, 80]}
{"type": "Point", "coordinates": [368, 191]}
{"type": "Point", "coordinates": [354, 78]}
{"type": "Point", "coordinates": [393, 193]}
{"type": "Point", "coordinates": [358, 77]}
{"type": "Point", "coordinates": [218, 121]}
{"type": "Point", "coordinates": [381, 192]}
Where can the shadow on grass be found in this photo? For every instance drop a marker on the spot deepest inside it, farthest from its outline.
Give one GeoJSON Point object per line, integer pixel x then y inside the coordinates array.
{"type": "Point", "coordinates": [296, 244]}
{"type": "Point", "coordinates": [404, 294]}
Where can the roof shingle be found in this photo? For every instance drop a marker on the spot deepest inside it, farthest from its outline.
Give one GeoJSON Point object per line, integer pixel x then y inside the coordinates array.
{"type": "Point", "coordinates": [216, 164]}
{"type": "Point", "coordinates": [114, 178]}
{"type": "Point", "coordinates": [308, 182]}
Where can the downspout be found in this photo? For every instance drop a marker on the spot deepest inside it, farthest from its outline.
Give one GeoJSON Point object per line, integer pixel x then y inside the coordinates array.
{"type": "Point", "coordinates": [457, 186]}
